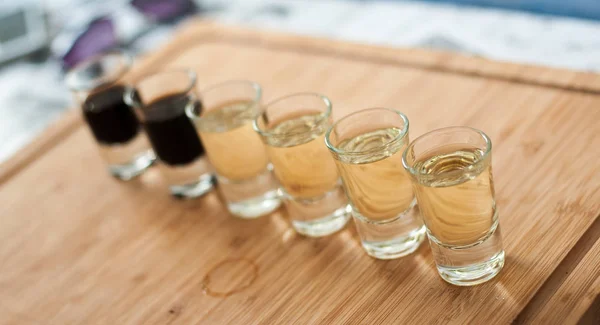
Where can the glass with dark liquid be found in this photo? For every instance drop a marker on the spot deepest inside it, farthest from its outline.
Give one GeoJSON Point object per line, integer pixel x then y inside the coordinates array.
{"type": "Point", "coordinates": [98, 87]}
{"type": "Point", "coordinates": [161, 100]}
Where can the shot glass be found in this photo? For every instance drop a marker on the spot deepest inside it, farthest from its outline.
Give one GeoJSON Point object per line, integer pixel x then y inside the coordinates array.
{"type": "Point", "coordinates": [98, 87]}
{"type": "Point", "coordinates": [293, 128]}
{"type": "Point", "coordinates": [161, 100]}
{"type": "Point", "coordinates": [451, 169]}
{"type": "Point", "coordinates": [243, 171]}
{"type": "Point", "coordinates": [367, 146]}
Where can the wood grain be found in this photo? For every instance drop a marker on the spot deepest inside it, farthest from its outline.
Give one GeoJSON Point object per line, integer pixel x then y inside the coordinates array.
{"type": "Point", "coordinates": [576, 293]}
{"type": "Point", "coordinates": [78, 247]}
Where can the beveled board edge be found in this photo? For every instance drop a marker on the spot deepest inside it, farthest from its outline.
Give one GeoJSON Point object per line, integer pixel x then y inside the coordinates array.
{"type": "Point", "coordinates": [200, 31]}
{"type": "Point", "coordinates": [41, 144]}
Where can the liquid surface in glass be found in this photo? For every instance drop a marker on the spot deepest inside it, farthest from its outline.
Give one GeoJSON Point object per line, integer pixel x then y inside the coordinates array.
{"type": "Point", "coordinates": [171, 132]}
{"type": "Point", "coordinates": [110, 119]}
{"type": "Point", "coordinates": [301, 160]}
{"type": "Point", "coordinates": [456, 195]}
{"type": "Point", "coordinates": [375, 181]}
{"type": "Point", "coordinates": [233, 147]}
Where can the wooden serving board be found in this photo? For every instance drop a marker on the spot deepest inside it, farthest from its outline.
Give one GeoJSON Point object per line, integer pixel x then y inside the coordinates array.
{"type": "Point", "coordinates": [78, 247]}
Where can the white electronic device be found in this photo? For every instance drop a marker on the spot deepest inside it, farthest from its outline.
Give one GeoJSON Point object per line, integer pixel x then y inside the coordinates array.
{"type": "Point", "coordinates": [22, 31]}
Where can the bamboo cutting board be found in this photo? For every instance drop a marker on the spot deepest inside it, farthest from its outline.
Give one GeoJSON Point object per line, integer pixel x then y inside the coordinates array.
{"type": "Point", "coordinates": [78, 247]}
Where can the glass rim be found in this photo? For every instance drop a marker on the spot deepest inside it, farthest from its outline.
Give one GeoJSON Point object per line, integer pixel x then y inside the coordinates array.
{"type": "Point", "coordinates": [479, 160]}
{"type": "Point", "coordinates": [343, 152]}
{"type": "Point", "coordinates": [322, 116]}
{"type": "Point", "coordinates": [254, 85]}
{"type": "Point", "coordinates": [74, 84]}
{"type": "Point", "coordinates": [131, 90]}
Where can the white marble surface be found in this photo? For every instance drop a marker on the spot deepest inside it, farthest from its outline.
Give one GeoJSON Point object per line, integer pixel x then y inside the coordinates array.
{"type": "Point", "coordinates": [33, 94]}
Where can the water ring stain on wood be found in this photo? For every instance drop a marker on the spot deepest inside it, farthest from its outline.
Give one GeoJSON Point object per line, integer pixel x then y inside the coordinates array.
{"type": "Point", "coordinates": [219, 272]}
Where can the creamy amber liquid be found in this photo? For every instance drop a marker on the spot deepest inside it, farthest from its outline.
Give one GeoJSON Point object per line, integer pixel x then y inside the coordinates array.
{"type": "Point", "coordinates": [233, 147]}
{"type": "Point", "coordinates": [455, 196]}
{"type": "Point", "coordinates": [302, 162]}
{"type": "Point", "coordinates": [376, 183]}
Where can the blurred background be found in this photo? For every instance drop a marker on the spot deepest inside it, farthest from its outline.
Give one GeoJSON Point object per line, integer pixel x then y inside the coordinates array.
{"type": "Point", "coordinates": [40, 40]}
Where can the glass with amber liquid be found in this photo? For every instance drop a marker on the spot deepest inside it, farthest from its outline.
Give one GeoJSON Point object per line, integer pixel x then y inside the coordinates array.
{"type": "Point", "coordinates": [293, 128]}
{"type": "Point", "coordinates": [451, 170]}
{"type": "Point", "coordinates": [367, 146]}
{"type": "Point", "coordinates": [238, 155]}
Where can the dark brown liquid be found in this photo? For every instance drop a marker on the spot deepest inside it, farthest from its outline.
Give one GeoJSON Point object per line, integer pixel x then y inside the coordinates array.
{"type": "Point", "coordinates": [171, 132]}
{"type": "Point", "coordinates": [225, 278]}
{"type": "Point", "coordinates": [110, 119]}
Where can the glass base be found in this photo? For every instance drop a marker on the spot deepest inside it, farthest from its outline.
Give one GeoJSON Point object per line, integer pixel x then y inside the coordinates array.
{"type": "Point", "coordinates": [391, 238]}
{"type": "Point", "coordinates": [134, 168]}
{"type": "Point", "coordinates": [251, 198]}
{"type": "Point", "coordinates": [473, 274]}
{"type": "Point", "coordinates": [255, 207]}
{"type": "Point", "coordinates": [324, 226]}
{"type": "Point", "coordinates": [318, 216]}
{"type": "Point", "coordinates": [397, 247]}
{"type": "Point", "coordinates": [195, 189]}
{"type": "Point", "coordinates": [473, 264]}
